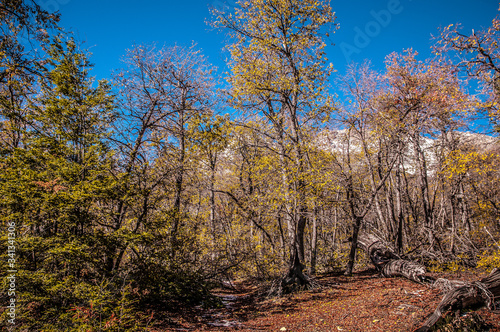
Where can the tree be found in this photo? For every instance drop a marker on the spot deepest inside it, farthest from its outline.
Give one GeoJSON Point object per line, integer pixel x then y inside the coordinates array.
{"type": "Point", "coordinates": [479, 56]}
{"type": "Point", "coordinates": [164, 93]}
{"type": "Point", "coordinates": [278, 70]}
{"type": "Point", "coordinates": [24, 28]}
{"type": "Point", "coordinates": [53, 184]}
{"type": "Point", "coordinates": [426, 100]}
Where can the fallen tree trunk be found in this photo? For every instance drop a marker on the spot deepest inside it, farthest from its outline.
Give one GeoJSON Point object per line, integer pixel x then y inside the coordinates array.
{"type": "Point", "coordinates": [458, 295]}
{"type": "Point", "coordinates": [465, 295]}
{"type": "Point", "coordinates": [388, 263]}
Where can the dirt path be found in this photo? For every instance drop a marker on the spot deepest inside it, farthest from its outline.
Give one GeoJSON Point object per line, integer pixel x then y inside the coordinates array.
{"type": "Point", "coordinates": [363, 302]}
{"type": "Point", "coordinates": [237, 303]}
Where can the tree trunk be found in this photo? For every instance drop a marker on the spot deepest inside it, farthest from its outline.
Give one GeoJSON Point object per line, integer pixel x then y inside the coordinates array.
{"type": "Point", "coordinates": [212, 200]}
{"type": "Point", "coordinates": [354, 245]}
{"type": "Point", "coordinates": [388, 263]}
{"type": "Point", "coordinates": [300, 233]}
{"type": "Point", "coordinates": [295, 279]}
{"type": "Point", "coordinates": [464, 295]}
{"type": "Point", "coordinates": [314, 242]}
{"type": "Point", "coordinates": [423, 181]}
{"type": "Point", "coordinates": [399, 209]}
{"type": "Point", "coordinates": [458, 294]}
{"type": "Point", "coordinates": [179, 183]}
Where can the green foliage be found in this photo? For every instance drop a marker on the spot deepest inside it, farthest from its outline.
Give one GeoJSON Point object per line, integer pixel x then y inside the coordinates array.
{"type": "Point", "coordinates": [164, 288]}
{"type": "Point", "coordinates": [52, 303]}
{"type": "Point", "coordinates": [50, 188]}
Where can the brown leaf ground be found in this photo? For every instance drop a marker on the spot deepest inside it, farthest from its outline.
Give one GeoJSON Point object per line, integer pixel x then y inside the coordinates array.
{"type": "Point", "coordinates": [362, 302]}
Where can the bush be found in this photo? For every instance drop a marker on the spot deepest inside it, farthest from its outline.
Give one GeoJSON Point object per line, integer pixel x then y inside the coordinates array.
{"type": "Point", "coordinates": [50, 302]}
{"type": "Point", "coordinates": [489, 260]}
{"type": "Point", "coordinates": [167, 289]}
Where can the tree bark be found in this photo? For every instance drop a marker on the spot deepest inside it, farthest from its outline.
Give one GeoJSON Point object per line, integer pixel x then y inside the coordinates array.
{"type": "Point", "coordinates": [295, 279]}
{"type": "Point", "coordinates": [179, 176]}
{"type": "Point", "coordinates": [388, 263]}
{"type": "Point", "coordinates": [458, 295]}
{"type": "Point", "coordinates": [354, 245]}
{"type": "Point", "coordinates": [399, 208]}
{"type": "Point", "coordinates": [314, 242]}
{"type": "Point", "coordinates": [464, 295]}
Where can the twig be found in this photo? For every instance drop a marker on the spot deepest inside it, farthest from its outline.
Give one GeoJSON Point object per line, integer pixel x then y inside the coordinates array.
{"type": "Point", "coordinates": [486, 229]}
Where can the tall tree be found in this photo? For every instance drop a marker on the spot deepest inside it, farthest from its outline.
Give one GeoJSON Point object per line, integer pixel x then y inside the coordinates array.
{"type": "Point", "coordinates": [53, 185]}
{"type": "Point", "coordinates": [278, 70]}
{"type": "Point", "coordinates": [479, 55]}
{"type": "Point", "coordinates": [24, 31]}
{"type": "Point", "coordinates": [163, 93]}
{"type": "Point", "coordinates": [425, 99]}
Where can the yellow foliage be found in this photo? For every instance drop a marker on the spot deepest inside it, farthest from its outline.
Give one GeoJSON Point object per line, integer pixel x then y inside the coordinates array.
{"type": "Point", "coordinates": [489, 260]}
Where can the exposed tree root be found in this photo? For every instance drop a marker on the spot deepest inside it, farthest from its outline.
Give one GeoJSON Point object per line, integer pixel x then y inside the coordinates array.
{"type": "Point", "coordinates": [294, 281]}
{"type": "Point", "coordinates": [291, 284]}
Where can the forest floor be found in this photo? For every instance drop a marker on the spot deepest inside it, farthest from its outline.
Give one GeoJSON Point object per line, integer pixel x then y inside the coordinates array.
{"type": "Point", "coordinates": [362, 302]}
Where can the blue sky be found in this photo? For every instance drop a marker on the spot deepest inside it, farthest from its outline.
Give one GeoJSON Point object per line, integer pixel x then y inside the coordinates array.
{"type": "Point", "coordinates": [109, 27]}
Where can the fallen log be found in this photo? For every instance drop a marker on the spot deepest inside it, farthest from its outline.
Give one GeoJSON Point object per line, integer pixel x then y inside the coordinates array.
{"type": "Point", "coordinates": [388, 263]}
{"type": "Point", "coordinates": [458, 295]}
{"type": "Point", "coordinates": [464, 295]}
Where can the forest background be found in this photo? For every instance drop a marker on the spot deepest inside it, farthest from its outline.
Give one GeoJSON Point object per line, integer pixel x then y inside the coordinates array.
{"type": "Point", "coordinates": [148, 189]}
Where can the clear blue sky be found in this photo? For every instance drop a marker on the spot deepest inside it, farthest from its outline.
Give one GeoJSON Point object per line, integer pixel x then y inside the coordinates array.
{"type": "Point", "coordinates": [109, 27]}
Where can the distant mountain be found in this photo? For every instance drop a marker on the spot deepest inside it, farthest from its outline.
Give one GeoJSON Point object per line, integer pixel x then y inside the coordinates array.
{"type": "Point", "coordinates": [336, 141]}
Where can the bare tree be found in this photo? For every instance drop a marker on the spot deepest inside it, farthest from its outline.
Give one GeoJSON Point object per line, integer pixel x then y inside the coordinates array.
{"type": "Point", "coordinates": [161, 90]}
